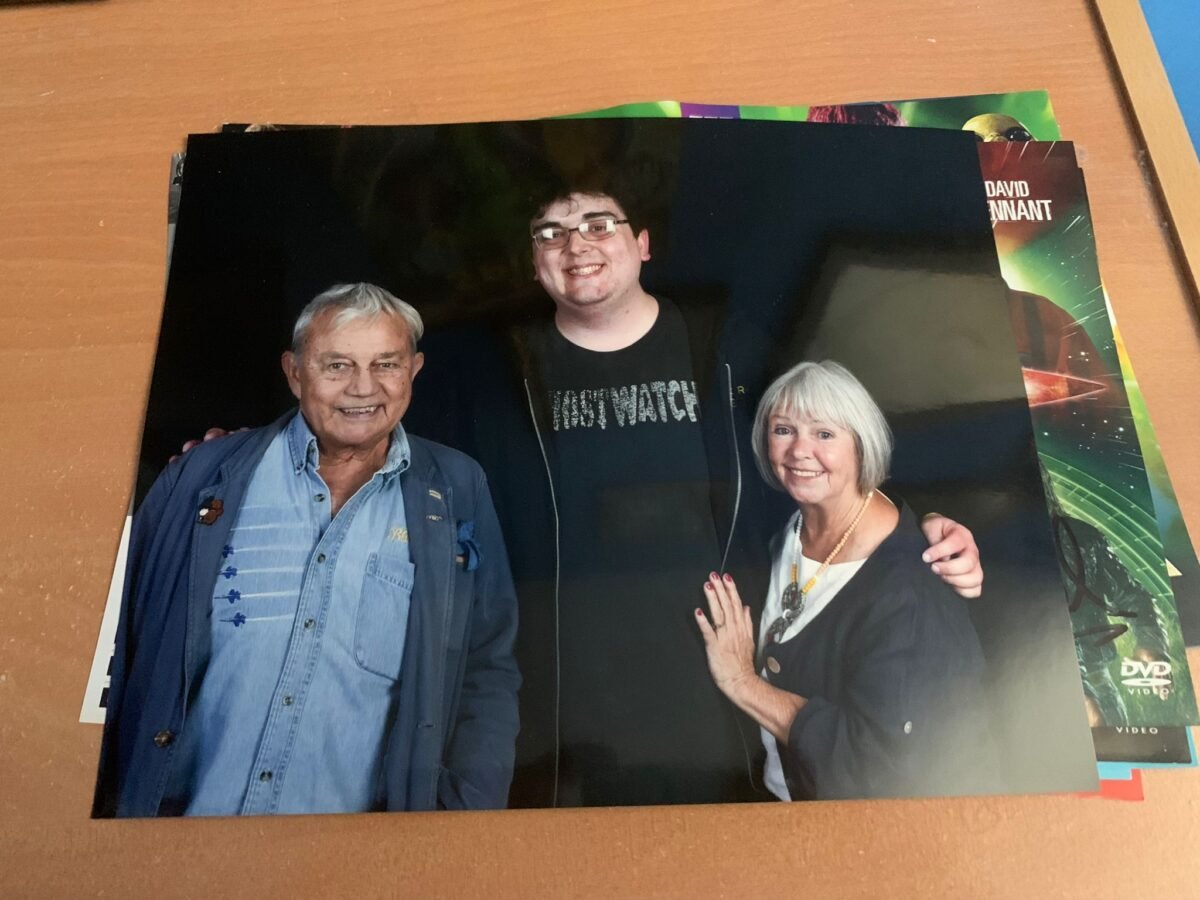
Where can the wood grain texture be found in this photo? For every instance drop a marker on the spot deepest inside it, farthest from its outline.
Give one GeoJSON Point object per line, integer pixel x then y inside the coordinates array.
{"type": "Point", "coordinates": [1170, 153]}
{"type": "Point", "coordinates": [95, 96]}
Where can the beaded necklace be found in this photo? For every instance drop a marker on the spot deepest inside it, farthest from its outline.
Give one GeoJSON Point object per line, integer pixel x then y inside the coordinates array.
{"type": "Point", "coordinates": [794, 595]}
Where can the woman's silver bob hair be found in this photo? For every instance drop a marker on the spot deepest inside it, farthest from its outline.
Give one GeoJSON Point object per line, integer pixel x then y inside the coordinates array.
{"type": "Point", "coordinates": [826, 392]}
{"type": "Point", "coordinates": [355, 301]}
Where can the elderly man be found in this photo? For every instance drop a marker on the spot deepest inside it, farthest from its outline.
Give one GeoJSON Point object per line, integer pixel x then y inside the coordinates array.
{"type": "Point", "coordinates": [621, 470]}
{"type": "Point", "coordinates": [318, 615]}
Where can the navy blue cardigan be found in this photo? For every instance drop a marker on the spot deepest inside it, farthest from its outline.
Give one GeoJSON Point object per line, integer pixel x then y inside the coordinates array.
{"type": "Point", "coordinates": [893, 674]}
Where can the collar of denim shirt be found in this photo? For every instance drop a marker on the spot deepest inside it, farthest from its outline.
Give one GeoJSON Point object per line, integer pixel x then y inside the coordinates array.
{"type": "Point", "coordinates": [302, 444]}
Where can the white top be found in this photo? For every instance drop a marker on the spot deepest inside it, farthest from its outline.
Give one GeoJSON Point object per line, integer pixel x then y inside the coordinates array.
{"type": "Point", "coordinates": [818, 598]}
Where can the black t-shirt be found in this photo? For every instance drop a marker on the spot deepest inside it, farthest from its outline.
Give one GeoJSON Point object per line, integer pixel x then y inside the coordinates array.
{"type": "Point", "coordinates": [640, 720]}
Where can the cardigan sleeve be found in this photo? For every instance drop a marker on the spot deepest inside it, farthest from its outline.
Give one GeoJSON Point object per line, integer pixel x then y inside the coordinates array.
{"type": "Point", "coordinates": [901, 665]}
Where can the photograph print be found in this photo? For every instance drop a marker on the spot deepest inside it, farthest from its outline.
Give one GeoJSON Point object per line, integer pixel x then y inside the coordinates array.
{"type": "Point", "coordinates": [586, 463]}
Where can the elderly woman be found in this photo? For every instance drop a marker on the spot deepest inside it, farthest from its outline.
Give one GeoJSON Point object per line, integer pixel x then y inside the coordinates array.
{"type": "Point", "coordinates": [867, 679]}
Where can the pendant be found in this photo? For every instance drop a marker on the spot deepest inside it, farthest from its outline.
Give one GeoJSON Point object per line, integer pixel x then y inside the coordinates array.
{"type": "Point", "coordinates": [793, 600]}
{"type": "Point", "coordinates": [776, 631]}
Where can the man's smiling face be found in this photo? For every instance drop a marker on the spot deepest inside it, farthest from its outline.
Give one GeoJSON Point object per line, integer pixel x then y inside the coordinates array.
{"type": "Point", "coordinates": [589, 275]}
{"type": "Point", "coordinates": [353, 381]}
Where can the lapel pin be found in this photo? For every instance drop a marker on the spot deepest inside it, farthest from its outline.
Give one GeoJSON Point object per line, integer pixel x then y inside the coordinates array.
{"type": "Point", "coordinates": [210, 510]}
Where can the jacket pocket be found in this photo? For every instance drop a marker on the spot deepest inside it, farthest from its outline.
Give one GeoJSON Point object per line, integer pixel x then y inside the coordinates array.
{"type": "Point", "coordinates": [382, 622]}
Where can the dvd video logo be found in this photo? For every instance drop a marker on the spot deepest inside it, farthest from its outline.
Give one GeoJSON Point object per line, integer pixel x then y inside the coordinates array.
{"type": "Point", "coordinates": [1153, 674]}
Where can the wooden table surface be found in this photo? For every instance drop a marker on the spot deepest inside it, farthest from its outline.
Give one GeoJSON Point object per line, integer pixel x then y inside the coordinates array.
{"type": "Point", "coordinates": [94, 96]}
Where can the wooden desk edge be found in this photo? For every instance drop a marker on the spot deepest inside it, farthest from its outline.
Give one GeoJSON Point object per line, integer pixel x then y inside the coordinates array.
{"type": "Point", "coordinates": [1172, 158]}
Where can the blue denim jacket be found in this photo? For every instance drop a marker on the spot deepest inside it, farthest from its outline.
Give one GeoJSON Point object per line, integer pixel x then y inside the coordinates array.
{"type": "Point", "coordinates": [309, 614]}
{"type": "Point", "coordinates": [452, 742]}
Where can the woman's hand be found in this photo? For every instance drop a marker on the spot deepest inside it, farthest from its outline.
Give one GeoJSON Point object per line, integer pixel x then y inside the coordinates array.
{"type": "Point", "coordinates": [729, 643]}
{"type": "Point", "coordinates": [729, 639]}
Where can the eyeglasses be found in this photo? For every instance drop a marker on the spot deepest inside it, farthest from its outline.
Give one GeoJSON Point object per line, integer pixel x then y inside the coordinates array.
{"type": "Point", "coordinates": [555, 237]}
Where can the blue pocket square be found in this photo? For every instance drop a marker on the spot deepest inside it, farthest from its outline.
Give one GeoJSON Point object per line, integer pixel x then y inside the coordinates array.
{"type": "Point", "coordinates": [468, 555]}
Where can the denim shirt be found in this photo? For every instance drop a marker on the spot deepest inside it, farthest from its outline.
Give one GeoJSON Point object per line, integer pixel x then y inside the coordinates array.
{"type": "Point", "coordinates": [308, 622]}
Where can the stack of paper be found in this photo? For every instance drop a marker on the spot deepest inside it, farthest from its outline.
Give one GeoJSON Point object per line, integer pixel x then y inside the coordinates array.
{"type": "Point", "coordinates": [606, 301]}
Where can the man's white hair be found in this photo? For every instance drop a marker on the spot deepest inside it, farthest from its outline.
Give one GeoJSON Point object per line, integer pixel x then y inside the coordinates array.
{"type": "Point", "coordinates": [355, 301]}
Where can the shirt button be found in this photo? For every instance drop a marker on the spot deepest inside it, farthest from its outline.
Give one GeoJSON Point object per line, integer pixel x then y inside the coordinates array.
{"type": "Point", "coordinates": [320, 498]}
{"type": "Point", "coordinates": [773, 665]}
{"type": "Point", "coordinates": [266, 775]}
{"type": "Point", "coordinates": [908, 727]}
{"type": "Point", "coordinates": [309, 623]}
{"type": "Point", "coordinates": [164, 738]}
{"type": "Point", "coordinates": [320, 557]}
{"type": "Point", "coordinates": [287, 701]}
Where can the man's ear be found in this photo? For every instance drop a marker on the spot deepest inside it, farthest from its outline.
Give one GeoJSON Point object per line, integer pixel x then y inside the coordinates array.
{"type": "Point", "coordinates": [418, 361]}
{"type": "Point", "coordinates": [643, 242]}
{"type": "Point", "coordinates": [291, 371]}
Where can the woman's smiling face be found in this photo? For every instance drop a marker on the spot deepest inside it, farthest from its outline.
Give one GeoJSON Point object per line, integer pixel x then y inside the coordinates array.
{"type": "Point", "coordinates": [815, 461]}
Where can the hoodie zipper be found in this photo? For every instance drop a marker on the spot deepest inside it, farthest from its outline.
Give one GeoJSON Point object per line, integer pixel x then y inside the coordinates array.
{"type": "Point", "coordinates": [537, 430]}
{"type": "Point", "coordinates": [737, 502]}
{"type": "Point", "coordinates": [737, 466]}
